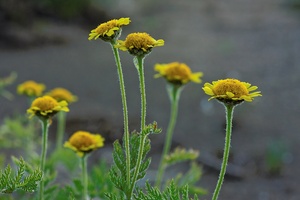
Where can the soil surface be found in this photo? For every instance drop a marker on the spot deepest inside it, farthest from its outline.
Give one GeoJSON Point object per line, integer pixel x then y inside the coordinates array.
{"type": "Point", "coordinates": [254, 41]}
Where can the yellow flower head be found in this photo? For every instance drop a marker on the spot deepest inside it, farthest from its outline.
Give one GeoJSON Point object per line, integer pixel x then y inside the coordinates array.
{"type": "Point", "coordinates": [177, 73]}
{"type": "Point", "coordinates": [61, 94]}
{"type": "Point", "coordinates": [231, 91]}
{"type": "Point", "coordinates": [83, 142]}
{"type": "Point", "coordinates": [139, 44]}
{"type": "Point", "coordinates": [110, 30]}
{"type": "Point", "coordinates": [31, 88]}
{"type": "Point", "coordinates": [46, 107]}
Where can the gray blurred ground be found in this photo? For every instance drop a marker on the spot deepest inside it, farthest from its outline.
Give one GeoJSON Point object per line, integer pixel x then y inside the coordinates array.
{"type": "Point", "coordinates": [255, 41]}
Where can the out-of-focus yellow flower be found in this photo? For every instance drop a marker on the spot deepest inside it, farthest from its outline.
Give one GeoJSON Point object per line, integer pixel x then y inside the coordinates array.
{"type": "Point", "coordinates": [31, 88]}
{"type": "Point", "coordinates": [83, 142]}
{"type": "Point", "coordinates": [110, 30]}
{"type": "Point", "coordinates": [46, 107]}
{"type": "Point", "coordinates": [177, 73]}
{"type": "Point", "coordinates": [231, 91]}
{"type": "Point", "coordinates": [61, 94]}
{"type": "Point", "coordinates": [139, 44]}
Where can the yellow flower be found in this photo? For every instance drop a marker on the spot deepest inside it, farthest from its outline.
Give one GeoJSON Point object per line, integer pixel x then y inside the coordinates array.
{"type": "Point", "coordinates": [46, 107]}
{"type": "Point", "coordinates": [61, 94]}
{"type": "Point", "coordinates": [177, 73]}
{"type": "Point", "coordinates": [31, 88]}
{"type": "Point", "coordinates": [109, 30]}
{"type": "Point", "coordinates": [83, 142]}
{"type": "Point", "coordinates": [231, 91]}
{"type": "Point", "coordinates": [139, 44]}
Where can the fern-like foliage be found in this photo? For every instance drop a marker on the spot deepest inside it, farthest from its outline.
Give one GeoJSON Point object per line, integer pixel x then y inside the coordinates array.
{"type": "Point", "coordinates": [118, 170]}
{"type": "Point", "coordinates": [27, 182]}
{"type": "Point", "coordinates": [172, 192]}
{"type": "Point", "coordinates": [180, 155]}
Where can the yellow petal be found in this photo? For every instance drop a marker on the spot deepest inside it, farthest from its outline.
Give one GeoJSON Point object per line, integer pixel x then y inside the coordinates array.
{"type": "Point", "coordinates": [208, 91]}
{"type": "Point", "coordinates": [208, 85]}
{"type": "Point", "coordinates": [230, 94]}
{"type": "Point", "coordinates": [195, 77]}
{"type": "Point", "coordinates": [159, 42]}
{"type": "Point", "coordinates": [252, 88]}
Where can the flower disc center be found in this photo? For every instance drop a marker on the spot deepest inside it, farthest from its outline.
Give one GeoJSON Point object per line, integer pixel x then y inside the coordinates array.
{"type": "Point", "coordinates": [230, 85]}
{"type": "Point", "coordinates": [178, 72]}
{"type": "Point", "coordinates": [45, 103]}
{"type": "Point", "coordinates": [81, 140]}
{"type": "Point", "coordinates": [139, 41]}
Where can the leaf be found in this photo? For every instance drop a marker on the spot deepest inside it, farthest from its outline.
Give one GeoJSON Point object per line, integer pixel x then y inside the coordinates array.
{"type": "Point", "coordinates": [26, 182]}
{"type": "Point", "coordinates": [78, 184]}
{"type": "Point", "coordinates": [172, 192]}
{"type": "Point", "coordinates": [180, 155]}
{"type": "Point", "coordinates": [118, 173]}
{"type": "Point", "coordinates": [144, 168]}
{"type": "Point", "coordinates": [119, 158]}
{"type": "Point", "coordinates": [151, 129]}
{"type": "Point", "coordinates": [185, 193]}
{"type": "Point", "coordinates": [134, 146]}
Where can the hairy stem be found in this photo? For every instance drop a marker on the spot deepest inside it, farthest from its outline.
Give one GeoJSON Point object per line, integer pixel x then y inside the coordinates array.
{"type": "Point", "coordinates": [174, 95]}
{"type": "Point", "coordinates": [138, 61]}
{"type": "Point", "coordinates": [139, 64]}
{"type": "Point", "coordinates": [125, 111]}
{"type": "Point", "coordinates": [229, 112]}
{"type": "Point", "coordinates": [45, 126]}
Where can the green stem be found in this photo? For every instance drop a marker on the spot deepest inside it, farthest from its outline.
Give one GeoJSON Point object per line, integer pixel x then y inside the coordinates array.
{"type": "Point", "coordinates": [139, 64]}
{"type": "Point", "coordinates": [229, 112]}
{"type": "Point", "coordinates": [174, 95]}
{"type": "Point", "coordinates": [138, 61]}
{"type": "Point", "coordinates": [61, 125]}
{"type": "Point", "coordinates": [43, 155]}
{"type": "Point", "coordinates": [125, 111]}
{"type": "Point", "coordinates": [84, 177]}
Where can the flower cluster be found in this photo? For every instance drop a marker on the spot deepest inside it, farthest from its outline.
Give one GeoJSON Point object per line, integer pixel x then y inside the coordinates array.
{"type": "Point", "coordinates": [130, 158]}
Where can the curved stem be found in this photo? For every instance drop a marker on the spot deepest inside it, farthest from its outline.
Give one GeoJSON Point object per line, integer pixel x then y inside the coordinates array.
{"type": "Point", "coordinates": [138, 61]}
{"type": "Point", "coordinates": [43, 155]}
{"type": "Point", "coordinates": [84, 177]}
{"type": "Point", "coordinates": [229, 112]}
{"type": "Point", "coordinates": [125, 111]}
{"type": "Point", "coordinates": [61, 124]}
{"type": "Point", "coordinates": [174, 95]}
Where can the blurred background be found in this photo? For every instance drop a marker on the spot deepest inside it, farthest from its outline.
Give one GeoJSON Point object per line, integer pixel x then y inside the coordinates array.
{"type": "Point", "coordinates": [256, 41]}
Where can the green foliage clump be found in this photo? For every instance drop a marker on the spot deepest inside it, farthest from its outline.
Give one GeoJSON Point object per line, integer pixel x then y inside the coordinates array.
{"type": "Point", "coordinates": [172, 192]}
{"type": "Point", "coordinates": [118, 170]}
{"type": "Point", "coordinates": [22, 179]}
